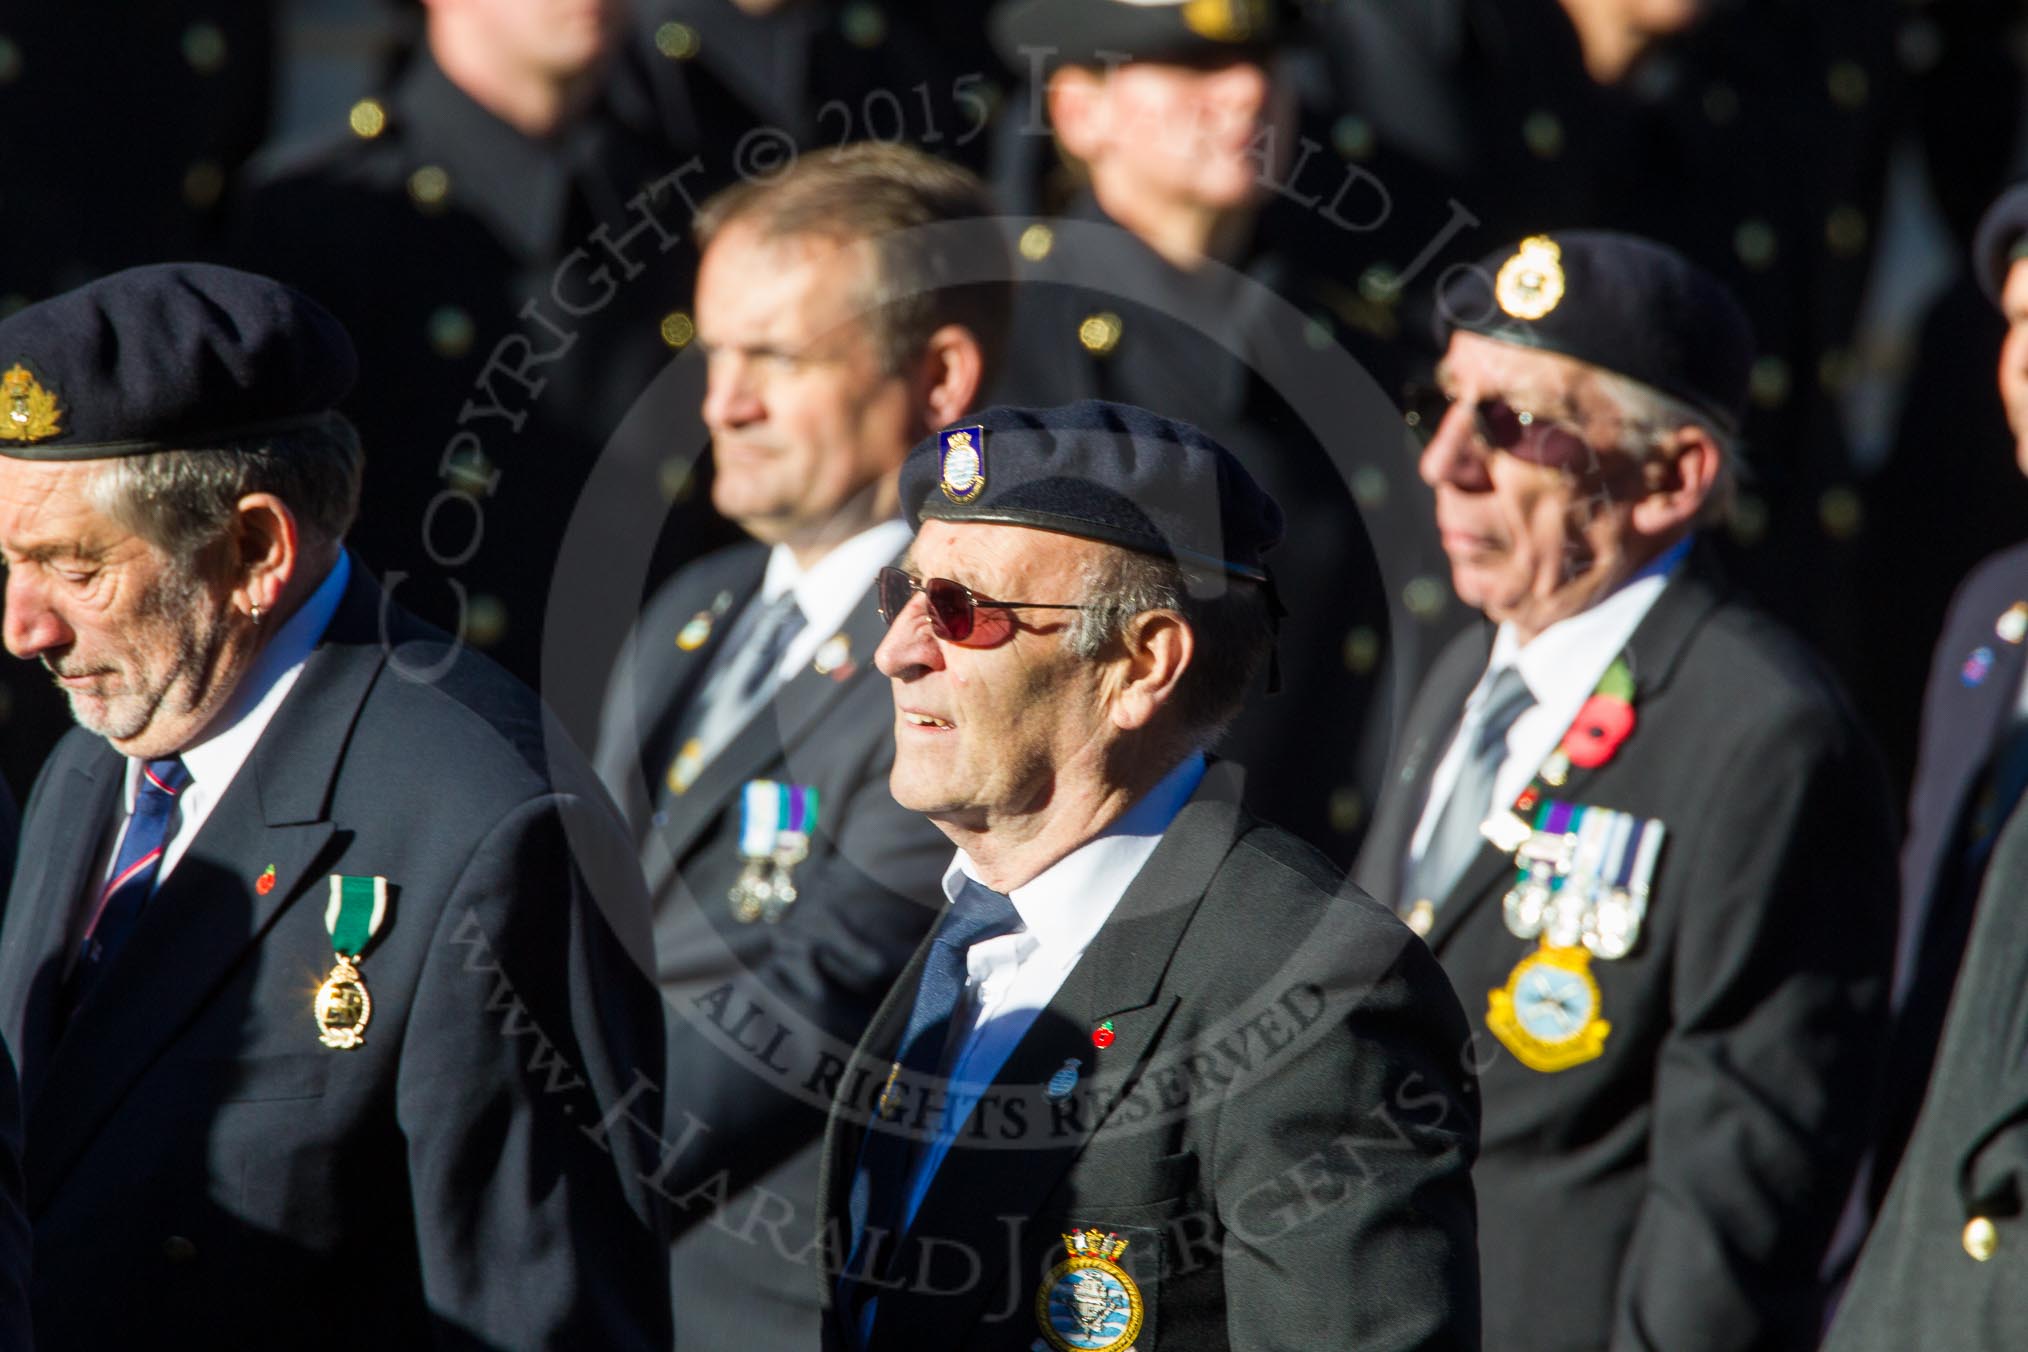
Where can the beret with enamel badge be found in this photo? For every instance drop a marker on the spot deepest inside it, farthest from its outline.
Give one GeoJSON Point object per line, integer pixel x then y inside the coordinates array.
{"type": "Point", "coordinates": [1106, 32]}
{"type": "Point", "coordinates": [1109, 472]}
{"type": "Point", "coordinates": [167, 356]}
{"type": "Point", "coordinates": [1621, 302]}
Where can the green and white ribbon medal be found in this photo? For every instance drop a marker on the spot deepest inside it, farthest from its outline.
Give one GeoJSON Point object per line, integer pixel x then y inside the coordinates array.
{"type": "Point", "coordinates": [352, 916]}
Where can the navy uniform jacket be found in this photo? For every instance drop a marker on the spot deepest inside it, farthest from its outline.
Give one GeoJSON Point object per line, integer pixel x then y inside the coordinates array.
{"type": "Point", "coordinates": [15, 1238]}
{"type": "Point", "coordinates": [1677, 1191]}
{"type": "Point", "coordinates": [1963, 1181]}
{"type": "Point", "coordinates": [745, 1268]}
{"type": "Point", "coordinates": [1963, 722]}
{"type": "Point", "coordinates": [1281, 1127]}
{"type": "Point", "coordinates": [200, 1168]}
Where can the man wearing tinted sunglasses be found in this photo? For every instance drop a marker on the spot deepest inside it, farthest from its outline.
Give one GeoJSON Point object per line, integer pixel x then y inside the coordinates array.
{"type": "Point", "coordinates": [1635, 822]}
{"type": "Point", "coordinates": [1159, 1078]}
{"type": "Point", "coordinates": [746, 732]}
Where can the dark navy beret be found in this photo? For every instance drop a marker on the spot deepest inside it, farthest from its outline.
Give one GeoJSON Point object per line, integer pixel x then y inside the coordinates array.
{"type": "Point", "coordinates": [1094, 32]}
{"type": "Point", "coordinates": [1108, 472]}
{"type": "Point", "coordinates": [1621, 302]}
{"type": "Point", "coordinates": [1999, 240]}
{"type": "Point", "coordinates": [169, 356]}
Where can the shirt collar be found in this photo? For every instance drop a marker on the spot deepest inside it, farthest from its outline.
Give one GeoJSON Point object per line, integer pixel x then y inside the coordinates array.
{"type": "Point", "coordinates": [1062, 907]}
{"type": "Point", "coordinates": [215, 760]}
{"type": "Point", "coordinates": [1577, 650]}
{"type": "Point", "coordinates": [830, 587]}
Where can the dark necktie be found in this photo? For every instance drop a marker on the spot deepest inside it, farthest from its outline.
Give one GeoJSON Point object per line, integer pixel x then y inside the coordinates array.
{"type": "Point", "coordinates": [1456, 839]}
{"type": "Point", "coordinates": [119, 904]}
{"type": "Point", "coordinates": [887, 1157]}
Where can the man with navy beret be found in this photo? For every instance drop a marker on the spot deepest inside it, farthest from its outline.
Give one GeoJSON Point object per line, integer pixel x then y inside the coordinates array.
{"type": "Point", "coordinates": [1159, 1078]}
{"type": "Point", "coordinates": [312, 996]}
{"type": "Point", "coordinates": [1947, 1261]}
{"type": "Point", "coordinates": [1636, 822]}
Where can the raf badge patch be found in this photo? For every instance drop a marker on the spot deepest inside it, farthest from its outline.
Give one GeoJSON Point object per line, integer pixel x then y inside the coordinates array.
{"type": "Point", "coordinates": [1088, 1303]}
{"type": "Point", "coordinates": [1530, 283]}
{"type": "Point", "coordinates": [1548, 1012]}
{"type": "Point", "coordinates": [961, 461]}
{"type": "Point", "coordinates": [28, 412]}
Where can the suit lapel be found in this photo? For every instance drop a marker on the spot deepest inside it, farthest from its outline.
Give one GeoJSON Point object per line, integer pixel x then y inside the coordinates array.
{"type": "Point", "coordinates": [1652, 653]}
{"type": "Point", "coordinates": [208, 913]}
{"type": "Point", "coordinates": [774, 729]}
{"type": "Point", "coordinates": [45, 904]}
{"type": "Point", "coordinates": [1381, 867]}
{"type": "Point", "coordinates": [1119, 977]}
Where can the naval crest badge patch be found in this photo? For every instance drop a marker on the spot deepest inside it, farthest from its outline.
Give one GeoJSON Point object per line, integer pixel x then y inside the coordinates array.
{"type": "Point", "coordinates": [1088, 1303]}
{"type": "Point", "coordinates": [1530, 283]}
{"type": "Point", "coordinates": [961, 462]}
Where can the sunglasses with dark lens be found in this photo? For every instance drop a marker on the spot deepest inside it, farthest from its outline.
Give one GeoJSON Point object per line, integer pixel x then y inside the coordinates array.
{"type": "Point", "coordinates": [1533, 437]}
{"type": "Point", "coordinates": [955, 614]}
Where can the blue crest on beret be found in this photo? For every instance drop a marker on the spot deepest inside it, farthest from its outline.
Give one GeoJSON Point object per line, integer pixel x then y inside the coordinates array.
{"type": "Point", "coordinates": [1105, 471]}
{"type": "Point", "coordinates": [1620, 302]}
{"type": "Point", "coordinates": [1995, 246]}
{"type": "Point", "coordinates": [168, 356]}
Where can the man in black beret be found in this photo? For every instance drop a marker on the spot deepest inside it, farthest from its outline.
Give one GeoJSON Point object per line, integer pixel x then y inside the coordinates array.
{"type": "Point", "coordinates": [1159, 1078]}
{"type": "Point", "coordinates": [1636, 823]}
{"type": "Point", "coordinates": [1947, 1261]}
{"type": "Point", "coordinates": [310, 991]}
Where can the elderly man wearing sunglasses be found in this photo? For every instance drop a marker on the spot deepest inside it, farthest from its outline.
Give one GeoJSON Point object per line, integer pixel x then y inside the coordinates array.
{"type": "Point", "coordinates": [1636, 823]}
{"type": "Point", "coordinates": [1160, 1078]}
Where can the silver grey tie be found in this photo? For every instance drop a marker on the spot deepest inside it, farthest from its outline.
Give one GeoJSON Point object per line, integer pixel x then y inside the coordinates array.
{"type": "Point", "coordinates": [1456, 839]}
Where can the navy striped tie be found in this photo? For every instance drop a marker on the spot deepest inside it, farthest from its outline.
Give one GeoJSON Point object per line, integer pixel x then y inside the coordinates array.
{"type": "Point", "coordinates": [119, 904]}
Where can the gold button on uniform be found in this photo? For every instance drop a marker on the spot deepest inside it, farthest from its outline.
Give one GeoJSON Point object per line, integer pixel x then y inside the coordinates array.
{"type": "Point", "coordinates": [1982, 1238]}
{"type": "Point", "coordinates": [1036, 242]}
{"type": "Point", "coordinates": [1100, 333]}
{"type": "Point", "coordinates": [678, 329]}
{"type": "Point", "coordinates": [429, 187]}
{"type": "Point", "coordinates": [367, 119]}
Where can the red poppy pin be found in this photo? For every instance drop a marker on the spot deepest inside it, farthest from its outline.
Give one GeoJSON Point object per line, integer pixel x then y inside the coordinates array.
{"type": "Point", "coordinates": [1605, 721]}
{"type": "Point", "coordinates": [266, 882]}
{"type": "Point", "coordinates": [1102, 1036]}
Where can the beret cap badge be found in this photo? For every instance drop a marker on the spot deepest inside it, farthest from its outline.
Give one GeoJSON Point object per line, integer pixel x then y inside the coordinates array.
{"type": "Point", "coordinates": [1233, 21]}
{"type": "Point", "coordinates": [1530, 283]}
{"type": "Point", "coordinates": [28, 412]}
{"type": "Point", "coordinates": [962, 463]}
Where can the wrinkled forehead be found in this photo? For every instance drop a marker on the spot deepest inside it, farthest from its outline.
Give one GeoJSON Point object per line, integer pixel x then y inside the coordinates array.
{"type": "Point", "coordinates": [1479, 367]}
{"type": "Point", "coordinates": [998, 560]}
{"type": "Point", "coordinates": [50, 503]}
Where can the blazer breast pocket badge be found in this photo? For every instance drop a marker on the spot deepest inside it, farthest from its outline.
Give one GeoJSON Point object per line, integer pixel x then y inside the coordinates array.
{"type": "Point", "coordinates": [1088, 1302]}
{"type": "Point", "coordinates": [1583, 876]}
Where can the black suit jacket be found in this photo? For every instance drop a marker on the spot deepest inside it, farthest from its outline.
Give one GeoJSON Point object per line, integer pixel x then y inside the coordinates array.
{"type": "Point", "coordinates": [16, 1240]}
{"type": "Point", "coordinates": [1963, 723]}
{"type": "Point", "coordinates": [1677, 1191]}
{"type": "Point", "coordinates": [1916, 1285]}
{"type": "Point", "coordinates": [200, 1168]}
{"type": "Point", "coordinates": [763, 1014]}
{"type": "Point", "coordinates": [1281, 1128]}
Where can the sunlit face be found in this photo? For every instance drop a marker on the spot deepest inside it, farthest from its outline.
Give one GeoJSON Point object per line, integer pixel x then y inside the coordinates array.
{"type": "Point", "coordinates": [1201, 136]}
{"type": "Point", "coordinates": [805, 421]}
{"type": "Point", "coordinates": [987, 734]}
{"type": "Point", "coordinates": [1530, 543]}
{"type": "Point", "coordinates": [559, 39]}
{"type": "Point", "coordinates": [136, 646]}
{"type": "Point", "coordinates": [2014, 358]}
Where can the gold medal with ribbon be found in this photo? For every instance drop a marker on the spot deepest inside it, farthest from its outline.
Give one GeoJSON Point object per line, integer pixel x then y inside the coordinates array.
{"type": "Point", "coordinates": [352, 916]}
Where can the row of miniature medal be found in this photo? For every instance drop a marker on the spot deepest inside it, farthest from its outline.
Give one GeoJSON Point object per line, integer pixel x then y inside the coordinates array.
{"type": "Point", "coordinates": [776, 822]}
{"type": "Point", "coordinates": [1583, 874]}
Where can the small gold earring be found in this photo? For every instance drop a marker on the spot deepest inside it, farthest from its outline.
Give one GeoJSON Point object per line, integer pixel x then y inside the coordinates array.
{"type": "Point", "coordinates": [256, 614]}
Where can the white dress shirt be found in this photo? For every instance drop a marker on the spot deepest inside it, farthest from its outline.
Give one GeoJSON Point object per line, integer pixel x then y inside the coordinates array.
{"type": "Point", "coordinates": [830, 588]}
{"type": "Point", "coordinates": [1011, 979]}
{"type": "Point", "coordinates": [1562, 665]}
{"type": "Point", "coordinates": [214, 762]}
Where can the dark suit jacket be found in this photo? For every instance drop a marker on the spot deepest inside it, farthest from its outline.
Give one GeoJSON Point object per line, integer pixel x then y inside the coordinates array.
{"type": "Point", "coordinates": [1677, 1191]}
{"type": "Point", "coordinates": [867, 894]}
{"type": "Point", "coordinates": [1282, 1127]}
{"type": "Point", "coordinates": [1962, 726]}
{"type": "Point", "coordinates": [1915, 1285]}
{"type": "Point", "coordinates": [201, 1169]}
{"type": "Point", "coordinates": [15, 1237]}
